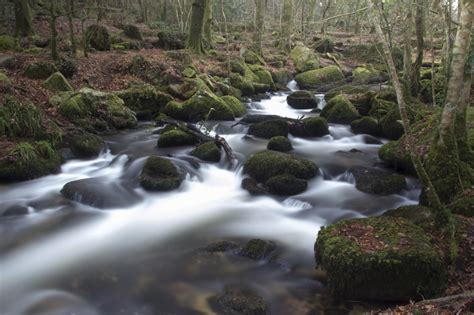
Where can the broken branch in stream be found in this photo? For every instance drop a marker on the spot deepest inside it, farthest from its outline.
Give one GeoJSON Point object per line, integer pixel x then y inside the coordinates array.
{"type": "Point", "coordinates": [196, 132]}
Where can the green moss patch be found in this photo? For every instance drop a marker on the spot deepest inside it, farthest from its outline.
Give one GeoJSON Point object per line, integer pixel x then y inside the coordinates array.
{"type": "Point", "coordinates": [57, 83]}
{"type": "Point", "coordinates": [340, 110]}
{"type": "Point", "coordinates": [160, 174]}
{"type": "Point", "coordinates": [318, 78]}
{"type": "Point", "coordinates": [208, 152]}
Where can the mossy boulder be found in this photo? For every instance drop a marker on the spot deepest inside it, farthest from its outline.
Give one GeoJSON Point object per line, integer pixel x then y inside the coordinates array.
{"type": "Point", "coordinates": [279, 143]}
{"type": "Point", "coordinates": [171, 39]}
{"type": "Point", "coordinates": [281, 77]}
{"type": "Point", "coordinates": [144, 100]}
{"type": "Point", "coordinates": [416, 214]}
{"type": "Point", "coordinates": [175, 138]}
{"type": "Point", "coordinates": [203, 105]}
{"type": "Point", "coordinates": [394, 155]}
{"type": "Point", "coordinates": [245, 86]}
{"type": "Point", "coordinates": [463, 204]}
{"type": "Point", "coordinates": [40, 70]}
{"type": "Point", "coordinates": [340, 110]}
{"type": "Point", "coordinates": [302, 100]}
{"type": "Point", "coordinates": [29, 161]}
{"type": "Point", "coordinates": [98, 37]}
{"type": "Point", "coordinates": [86, 145]}
{"type": "Point", "coordinates": [391, 125]}
{"type": "Point", "coordinates": [265, 78]}
{"type": "Point", "coordinates": [266, 164]}
{"type": "Point", "coordinates": [7, 43]}
{"type": "Point", "coordinates": [377, 182]}
{"type": "Point", "coordinates": [324, 45]}
{"type": "Point", "coordinates": [310, 127]}
{"type": "Point", "coordinates": [318, 78]}
{"type": "Point", "coordinates": [132, 31]}
{"type": "Point", "coordinates": [208, 152]}
{"type": "Point", "coordinates": [160, 174]}
{"type": "Point", "coordinates": [253, 58]}
{"type": "Point", "coordinates": [237, 107]}
{"type": "Point", "coordinates": [367, 75]}
{"type": "Point", "coordinates": [366, 125]}
{"type": "Point", "coordinates": [304, 59]}
{"type": "Point", "coordinates": [5, 83]}
{"type": "Point", "coordinates": [286, 185]}
{"type": "Point", "coordinates": [257, 249]}
{"type": "Point", "coordinates": [269, 129]}
{"type": "Point", "coordinates": [57, 83]}
{"type": "Point", "coordinates": [380, 258]}
{"type": "Point", "coordinates": [94, 110]}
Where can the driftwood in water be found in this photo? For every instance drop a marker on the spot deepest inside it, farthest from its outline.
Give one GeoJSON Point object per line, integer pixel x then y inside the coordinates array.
{"type": "Point", "coordinates": [193, 130]}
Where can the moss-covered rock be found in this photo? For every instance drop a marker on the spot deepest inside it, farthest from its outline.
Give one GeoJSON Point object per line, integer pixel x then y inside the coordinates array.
{"type": "Point", "coordinates": [286, 185]}
{"type": "Point", "coordinates": [366, 125]}
{"type": "Point", "coordinates": [238, 300]}
{"type": "Point", "coordinates": [94, 110]}
{"type": "Point", "coordinates": [7, 43]}
{"type": "Point", "coordinates": [267, 164]}
{"type": "Point", "coordinates": [320, 77]}
{"type": "Point", "coordinates": [391, 125]}
{"type": "Point", "coordinates": [5, 83]}
{"type": "Point", "coordinates": [40, 70]}
{"type": "Point", "coordinates": [281, 78]}
{"type": "Point", "coordinates": [175, 138]}
{"type": "Point", "coordinates": [257, 249]}
{"type": "Point", "coordinates": [340, 110]}
{"type": "Point", "coordinates": [265, 77]}
{"type": "Point", "coordinates": [396, 157]}
{"type": "Point", "coordinates": [380, 258]}
{"type": "Point", "coordinates": [203, 105]}
{"type": "Point", "coordinates": [245, 86]}
{"type": "Point", "coordinates": [302, 100]}
{"type": "Point", "coordinates": [304, 59]}
{"type": "Point", "coordinates": [252, 58]}
{"type": "Point", "coordinates": [463, 204]}
{"type": "Point", "coordinates": [171, 40]}
{"type": "Point", "coordinates": [98, 37]}
{"type": "Point", "coordinates": [324, 45]}
{"type": "Point", "coordinates": [416, 214]}
{"type": "Point", "coordinates": [253, 187]}
{"type": "Point", "coordinates": [57, 83]}
{"type": "Point", "coordinates": [208, 152]}
{"type": "Point", "coordinates": [367, 75]}
{"type": "Point", "coordinates": [269, 129]}
{"type": "Point", "coordinates": [132, 31]}
{"type": "Point", "coordinates": [29, 161]}
{"type": "Point", "coordinates": [378, 182]}
{"type": "Point", "coordinates": [144, 100]}
{"type": "Point", "coordinates": [279, 143]}
{"type": "Point", "coordinates": [310, 127]}
{"type": "Point", "coordinates": [85, 145]}
{"type": "Point", "coordinates": [160, 174]}
{"type": "Point", "coordinates": [237, 107]}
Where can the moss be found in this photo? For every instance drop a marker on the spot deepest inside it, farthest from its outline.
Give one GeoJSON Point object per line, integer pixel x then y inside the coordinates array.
{"type": "Point", "coordinates": [160, 174]}
{"type": "Point", "coordinates": [171, 40]}
{"type": "Point", "coordinates": [269, 129]}
{"type": "Point", "coordinates": [304, 59]}
{"type": "Point", "coordinates": [86, 145]}
{"type": "Point", "coordinates": [324, 45]}
{"type": "Point", "coordinates": [144, 99]}
{"type": "Point", "coordinates": [8, 43]}
{"type": "Point", "coordinates": [237, 300]}
{"type": "Point", "coordinates": [310, 127]}
{"type": "Point", "coordinates": [258, 249]}
{"type": "Point", "coordinates": [366, 125]}
{"type": "Point", "coordinates": [174, 138]}
{"type": "Point", "coordinates": [208, 152]}
{"type": "Point", "coordinates": [252, 58]}
{"type": "Point", "coordinates": [366, 75]}
{"type": "Point", "coordinates": [319, 78]}
{"type": "Point", "coordinates": [40, 70]}
{"type": "Point", "coordinates": [29, 161]}
{"type": "Point", "coordinates": [381, 107]}
{"type": "Point", "coordinates": [57, 83]}
{"type": "Point", "coordinates": [470, 125]}
{"type": "Point", "coordinates": [133, 32]}
{"type": "Point", "coordinates": [362, 256]}
{"type": "Point", "coordinates": [266, 164]}
{"type": "Point", "coordinates": [281, 77]}
{"type": "Point", "coordinates": [347, 89]}
{"type": "Point", "coordinates": [340, 110]}
{"type": "Point", "coordinates": [22, 120]}
{"type": "Point", "coordinates": [97, 37]}
{"type": "Point", "coordinates": [396, 157]}
{"type": "Point", "coordinates": [240, 83]}
{"type": "Point", "coordinates": [279, 143]}
{"type": "Point", "coordinates": [416, 214]}
{"type": "Point", "coordinates": [391, 125]}
{"type": "Point", "coordinates": [463, 204]}
{"type": "Point", "coordinates": [286, 185]}
{"type": "Point", "coordinates": [378, 182]}
{"type": "Point", "coordinates": [265, 77]}
{"type": "Point", "coordinates": [235, 105]}
{"type": "Point", "coordinates": [302, 100]}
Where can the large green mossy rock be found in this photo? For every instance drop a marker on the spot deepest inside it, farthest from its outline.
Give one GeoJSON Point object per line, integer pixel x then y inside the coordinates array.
{"type": "Point", "coordinates": [391, 125]}
{"type": "Point", "coordinates": [366, 125]}
{"type": "Point", "coordinates": [29, 161]}
{"type": "Point", "coordinates": [160, 174]}
{"type": "Point", "coordinates": [302, 100]}
{"type": "Point", "coordinates": [98, 37]}
{"type": "Point", "coordinates": [250, 79]}
{"type": "Point", "coordinates": [176, 138]}
{"type": "Point", "coordinates": [304, 59]}
{"type": "Point", "coordinates": [7, 43]}
{"type": "Point", "coordinates": [310, 127]}
{"type": "Point", "coordinates": [85, 145]}
{"type": "Point", "coordinates": [253, 58]}
{"type": "Point", "coordinates": [380, 258]}
{"type": "Point", "coordinates": [280, 144]}
{"type": "Point", "coordinates": [40, 70]}
{"type": "Point", "coordinates": [267, 164]}
{"type": "Point", "coordinates": [395, 156]}
{"type": "Point", "coordinates": [367, 75]}
{"type": "Point", "coordinates": [203, 105]}
{"type": "Point", "coordinates": [237, 107]}
{"type": "Point", "coordinates": [264, 77]}
{"type": "Point", "coordinates": [340, 110]}
{"type": "Point", "coordinates": [318, 78]}
{"type": "Point", "coordinates": [132, 31]}
{"type": "Point", "coordinates": [269, 129]}
{"type": "Point", "coordinates": [144, 100]}
{"type": "Point", "coordinates": [242, 84]}
{"type": "Point", "coordinates": [208, 152]}
{"type": "Point", "coordinates": [378, 182]}
{"type": "Point", "coordinates": [94, 110]}
{"type": "Point", "coordinates": [286, 185]}
{"type": "Point", "coordinates": [57, 83]}
{"type": "Point", "coordinates": [416, 214]}
{"type": "Point", "coordinates": [463, 204]}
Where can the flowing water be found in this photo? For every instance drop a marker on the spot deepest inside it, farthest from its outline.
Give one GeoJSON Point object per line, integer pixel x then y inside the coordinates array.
{"type": "Point", "coordinates": [62, 257]}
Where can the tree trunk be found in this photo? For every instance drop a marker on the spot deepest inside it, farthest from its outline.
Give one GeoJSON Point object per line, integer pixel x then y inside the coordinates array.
{"type": "Point", "coordinates": [70, 9]}
{"type": "Point", "coordinates": [287, 25]}
{"type": "Point", "coordinates": [420, 43]}
{"type": "Point", "coordinates": [23, 24]}
{"type": "Point", "coordinates": [407, 52]}
{"type": "Point", "coordinates": [54, 31]}
{"type": "Point", "coordinates": [323, 17]}
{"type": "Point", "coordinates": [208, 23]}
{"type": "Point", "coordinates": [197, 26]}
{"type": "Point", "coordinates": [259, 24]}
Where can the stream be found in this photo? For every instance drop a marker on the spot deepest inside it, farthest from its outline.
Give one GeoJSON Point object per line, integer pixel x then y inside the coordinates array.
{"type": "Point", "coordinates": [144, 257]}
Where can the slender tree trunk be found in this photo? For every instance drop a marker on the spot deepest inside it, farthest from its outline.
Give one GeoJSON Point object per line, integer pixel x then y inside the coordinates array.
{"type": "Point", "coordinates": [208, 23]}
{"type": "Point", "coordinates": [70, 9]}
{"type": "Point", "coordinates": [197, 26]}
{"type": "Point", "coordinates": [323, 17]}
{"type": "Point", "coordinates": [287, 25]}
{"type": "Point", "coordinates": [407, 52]}
{"type": "Point", "coordinates": [54, 31]}
{"type": "Point", "coordinates": [226, 33]}
{"type": "Point", "coordinates": [420, 43]}
{"type": "Point", "coordinates": [259, 24]}
{"type": "Point", "coordinates": [23, 24]}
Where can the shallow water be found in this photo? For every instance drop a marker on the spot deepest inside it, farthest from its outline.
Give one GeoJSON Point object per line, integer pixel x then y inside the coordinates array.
{"type": "Point", "coordinates": [67, 258]}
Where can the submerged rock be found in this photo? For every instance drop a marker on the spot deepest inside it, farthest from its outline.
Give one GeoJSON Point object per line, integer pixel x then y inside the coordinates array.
{"type": "Point", "coordinates": [253, 187]}
{"type": "Point", "coordinates": [378, 182]}
{"type": "Point", "coordinates": [302, 100]}
{"type": "Point", "coordinates": [238, 300]}
{"type": "Point", "coordinates": [160, 174]}
{"type": "Point", "coordinates": [318, 78]}
{"type": "Point", "coordinates": [380, 258]}
{"type": "Point", "coordinates": [208, 152]}
{"type": "Point", "coordinates": [258, 249]}
{"type": "Point", "coordinates": [269, 129]}
{"type": "Point", "coordinates": [279, 143]}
